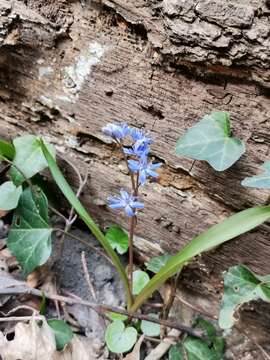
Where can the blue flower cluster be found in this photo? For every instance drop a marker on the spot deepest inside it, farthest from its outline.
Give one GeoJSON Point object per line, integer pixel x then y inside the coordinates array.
{"type": "Point", "coordinates": [138, 163]}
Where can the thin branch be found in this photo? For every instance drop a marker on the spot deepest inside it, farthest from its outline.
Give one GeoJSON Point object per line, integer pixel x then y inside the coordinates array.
{"type": "Point", "coordinates": [58, 213]}
{"type": "Point", "coordinates": [101, 309]}
{"type": "Point", "coordinates": [90, 286]}
{"type": "Point", "coordinates": [169, 304]}
{"type": "Point", "coordinates": [87, 277]}
{"type": "Point", "coordinates": [21, 318]}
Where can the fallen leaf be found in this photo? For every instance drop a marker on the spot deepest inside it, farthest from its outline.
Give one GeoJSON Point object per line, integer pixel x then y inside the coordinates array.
{"type": "Point", "coordinates": [35, 342]}
{"type": "Point", "coordinates": [135, 354]}
{"type": "Point", "coordinates": [31, 342]}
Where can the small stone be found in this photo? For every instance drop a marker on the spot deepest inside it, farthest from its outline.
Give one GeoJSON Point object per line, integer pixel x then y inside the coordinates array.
{"type": "Point", "coordinates": [103, 273]}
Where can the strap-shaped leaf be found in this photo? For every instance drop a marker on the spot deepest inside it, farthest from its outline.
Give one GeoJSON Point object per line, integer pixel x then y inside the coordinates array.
{"type": "Point", "coordinates": [7, 150]}
{"type": "Point", "coordinates": [241, 286]}
{"type": "Point", "coordinates": [261, 181]}
{"type": "Point", "coordinates": [211, 140]}
{"type": "Point", "coordinates": [74, 201]}
{"type": "Point", "coordinates": [29, 238]}
{"type": "Point", "coordinates": [218, 234]}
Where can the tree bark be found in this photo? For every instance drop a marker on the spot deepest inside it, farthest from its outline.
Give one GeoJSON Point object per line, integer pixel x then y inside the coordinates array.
{"type": "Point", "coordinates": [69, 67]}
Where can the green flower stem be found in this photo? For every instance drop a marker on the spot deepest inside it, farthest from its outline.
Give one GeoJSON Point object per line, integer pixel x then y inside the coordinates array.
{"type": "Point", "coordinates": [130, 254]}
{"type": "Point", "coordinates": [74, 201]}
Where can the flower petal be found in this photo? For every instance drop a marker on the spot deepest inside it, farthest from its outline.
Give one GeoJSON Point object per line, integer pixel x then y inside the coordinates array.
{"type": "Point", "coordinates": [129, 211]}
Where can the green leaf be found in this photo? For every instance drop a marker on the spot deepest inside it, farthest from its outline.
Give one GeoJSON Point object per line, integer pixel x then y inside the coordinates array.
{"type": "Point", "coordinates": [149, 328]}
{"type": "Point", "coordinates": [7, 150]}
{"type": "Point", "coordinates": [114, 316]}
{"type": "Point", "coordinates": [259, 181]}
{"type": "Point", "coordinates": [118, 239]}
{"type": "Point", "coordinates": [156, 263]}
{"type": "Point", "coordinates": [228, 229]}
{"type": "Point", "coordinates": [62, 332]}
{"type": "Point", "coordinates": [29, 238]}
{"type": "Point", "coordinates": [241, 286]}
{"type": "Point", "coordinates": [76, 204]}
{"type": "Point", "coordinates": [211, 140]}
{"type": "Point", "coordinates": [198, 349]}
{"type": "Point", "coordinates": [120, 339]}
{"type": "Point", "coordinates": [16, 177]}
{"type": "Point", "coordinates": [42, 306]}
{"type": "Point", "coordinates": [176, 353]}
{"type": "Point", "coordinates": [29, 158]}
{"type": "Point", "coordinates": [9, 195]}
{"type": "Point", "coordinates": [140, 280]}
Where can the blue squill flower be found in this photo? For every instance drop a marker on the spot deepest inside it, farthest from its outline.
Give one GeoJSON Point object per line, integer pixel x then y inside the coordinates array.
{"type": "Point", "coordinates": [116, 131]}
{"type": "Point", "coordinates": [125, 201]}
{"type": "Point", "coordinates": [141, 146]}
{"type": "Point", "coordinates": [144, 168]}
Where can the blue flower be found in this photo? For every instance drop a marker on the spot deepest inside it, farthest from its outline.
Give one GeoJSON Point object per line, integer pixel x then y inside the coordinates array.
{"type": "Point", "coordinates": [125, 201]}
{"type": "Point", "coordinates": [141, 146]}
{"type": "Point", "coordinates": [144, 168]}
{"type": "Point", "coordinates": [116, 131]}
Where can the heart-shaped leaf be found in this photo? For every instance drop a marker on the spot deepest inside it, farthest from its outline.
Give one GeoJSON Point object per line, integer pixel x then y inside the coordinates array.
{"type": "Point", "coordinates": [211, 140]}
{"type": "Point", "coordinates": [259, 181]}
{"type": "Point", "coordinates": [241, 286]}
{"type": "Point", "coordinates": [29, 238]}
{"type": "Point", "coordinates": [120, 339]}
{"type": "Point", "coordinates": [118, 239]}
{"type": "Point", "coordinates": [62, 332]}
{"type": "Point", "coordinates": [29, 156]}
{"type": "Point", "coordinates": [149, 328]}
{"type": "Point", "coordinates": [140, 279]}
{"type": "Point", "coordinates": [9, 195]}
{"type": "Point", "coordinates": [157, 263]}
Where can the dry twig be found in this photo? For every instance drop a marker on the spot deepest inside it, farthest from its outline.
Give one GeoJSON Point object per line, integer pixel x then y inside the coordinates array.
{"type": "Point", "coordinates": [101, 309]}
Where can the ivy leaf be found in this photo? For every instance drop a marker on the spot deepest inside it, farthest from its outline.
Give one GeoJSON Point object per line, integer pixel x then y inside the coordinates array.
{"type": "Point", "coordinates": [62, 332]}
{"type": "Point", "coordinates": [176, 353]}
{"type": "Point", "coordinates": [140, 279]}
{"type": "Point", "coordinates": [156, 263]}
{"type": "Point", "coordinates": [259, 181]}
{"type": "Point", "coordinates": [118, 239]}
{"type": "Point", "coordinates": [198, 349]}
{"type": "Point", "coordinates": [9, 195]}
{"type": "Point", "coordinates": [120, 339]}
{"type": "Point", "coordinates": [29, 156]}
{"type": "Point", "coordinates": [29, 238]}
{"type": "Point", "coordinates": [241, 286]}
{"type": "Point", "coordinates": [211, 140]}
{"type": "Point", "coordinates": [149, 328]}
